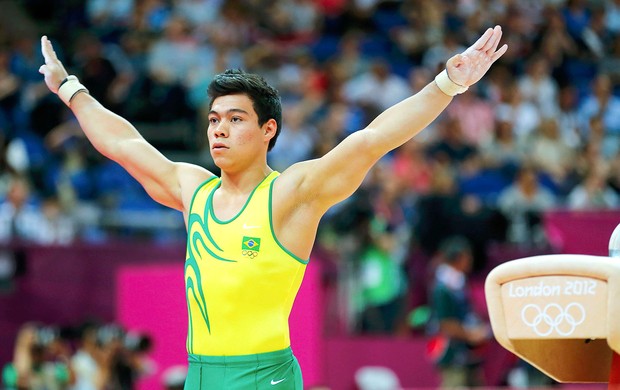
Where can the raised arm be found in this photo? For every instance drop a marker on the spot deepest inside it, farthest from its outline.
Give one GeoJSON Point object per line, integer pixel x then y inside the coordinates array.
{"type": "Point", "coordinates": [340, 172]}
{"type": "Point", "coordinates": [169, 183]}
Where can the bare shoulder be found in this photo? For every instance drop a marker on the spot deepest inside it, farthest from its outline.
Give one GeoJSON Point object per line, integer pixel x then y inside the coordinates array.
{"type": "Point", "coordinates": [190, 176]}
{"type": "Point", "coordinates": [292, 182]}
{"type": "Point", "coordinates": [296, 195]}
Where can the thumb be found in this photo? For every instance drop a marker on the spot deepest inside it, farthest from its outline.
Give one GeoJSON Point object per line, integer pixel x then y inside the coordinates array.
{"type": "Point", "coordinates": [455, 61]}
{"type": "Point", "coordinates": [456, 67]}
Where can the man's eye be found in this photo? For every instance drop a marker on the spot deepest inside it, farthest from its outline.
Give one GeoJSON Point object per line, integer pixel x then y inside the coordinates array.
{"type": "Point", "coordinates": [236, 119]}
{"type": "Point", "coordinates": [212, 121]}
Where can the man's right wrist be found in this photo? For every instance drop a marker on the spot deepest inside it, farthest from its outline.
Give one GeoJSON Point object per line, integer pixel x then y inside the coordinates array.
{"type": "Point", "coordinates": [69, 88]}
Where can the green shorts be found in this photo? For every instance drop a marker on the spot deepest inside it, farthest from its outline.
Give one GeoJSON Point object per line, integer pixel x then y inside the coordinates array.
{"type": "Point", "coordinates": [278, 370]}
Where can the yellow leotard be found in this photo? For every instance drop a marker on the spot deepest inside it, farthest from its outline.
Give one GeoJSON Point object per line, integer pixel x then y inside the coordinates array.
{"type": "Point", "coordinates": [240, 281]}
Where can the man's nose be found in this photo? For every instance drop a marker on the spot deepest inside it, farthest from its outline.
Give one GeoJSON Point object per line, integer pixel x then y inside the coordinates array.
{"type": "Point", "coordinates": [221, 130]}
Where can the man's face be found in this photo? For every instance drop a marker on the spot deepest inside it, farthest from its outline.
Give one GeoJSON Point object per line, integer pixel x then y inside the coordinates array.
{"type": "Point", "coordinates": [235, 138]}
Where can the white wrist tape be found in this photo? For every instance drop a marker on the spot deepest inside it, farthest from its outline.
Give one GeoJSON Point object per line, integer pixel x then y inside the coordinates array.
{"type": "Point", "coordinates": [448, 86]}
{"type": "Point", "coordinates": [70, 87]}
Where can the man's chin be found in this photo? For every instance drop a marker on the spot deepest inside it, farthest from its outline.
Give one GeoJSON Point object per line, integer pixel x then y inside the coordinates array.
{"type": "Point", "coordinates": [222, 163]}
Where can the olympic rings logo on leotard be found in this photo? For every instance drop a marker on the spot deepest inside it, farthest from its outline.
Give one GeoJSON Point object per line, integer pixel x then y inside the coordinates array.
{"type": "Point", "coordinates": [250, 254]}
{"type": "Point", "coordinates": [553, 317]}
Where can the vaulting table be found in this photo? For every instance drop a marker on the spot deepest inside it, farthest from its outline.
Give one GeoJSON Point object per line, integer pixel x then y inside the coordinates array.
{"type": "Point", "coordinates": [560, 313]}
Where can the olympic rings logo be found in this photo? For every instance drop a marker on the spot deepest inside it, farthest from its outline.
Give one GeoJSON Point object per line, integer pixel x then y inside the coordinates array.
{"type": "Point", "coordinates": [250, 254]}
{"type": "Point", "coordinates": [553, 317]}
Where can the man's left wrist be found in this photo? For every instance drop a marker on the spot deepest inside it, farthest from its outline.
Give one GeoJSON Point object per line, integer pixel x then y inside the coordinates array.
{"type": "Point", "coordinates": [447, 86]}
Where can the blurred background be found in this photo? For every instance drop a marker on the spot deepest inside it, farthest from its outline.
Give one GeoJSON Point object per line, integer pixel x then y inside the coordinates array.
{"type": "Point", "coordinates": [526, 162]}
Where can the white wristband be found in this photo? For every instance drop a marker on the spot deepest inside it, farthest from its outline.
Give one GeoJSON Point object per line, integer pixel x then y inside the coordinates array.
{"type": "Point", "coordinates": [448, 86]}
{"type": "Point", "coordinates": [70, 87]}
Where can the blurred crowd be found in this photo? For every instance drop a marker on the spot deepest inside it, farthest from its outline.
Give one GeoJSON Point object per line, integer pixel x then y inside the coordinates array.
{"type": "Point", "coordinates": [541, 131]}
{"type": "Point", "coordinates": [87, 357]}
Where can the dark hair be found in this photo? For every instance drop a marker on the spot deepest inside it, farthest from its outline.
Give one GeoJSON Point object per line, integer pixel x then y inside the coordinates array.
{"type": "Point", "coordinates": [265, 98]}
{"type": "Point", "coordinates": [453, 247]}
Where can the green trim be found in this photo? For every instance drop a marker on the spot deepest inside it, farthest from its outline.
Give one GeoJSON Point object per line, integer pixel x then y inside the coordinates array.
{"type": "Point", "coordinates": [191, 204]}
{"type": "Point", "coordinates": [205, 229]}
{"type": "Point", "coordinates": [193, 288]}
{"type": "Point", "coordinates": [266, 358]}
{"type": "Point", "coordinates": [273, 233]}
{"type": "Point", "coordinates": [193, 238]}
{"type": "Point", "coordinates": [189, 342]}
{"type": "Point", "coordinates": [195, 218]}
{"type": "Point", "coordinates": [210, 201]}
{"type": "Point", "coordinates": [190, 286]}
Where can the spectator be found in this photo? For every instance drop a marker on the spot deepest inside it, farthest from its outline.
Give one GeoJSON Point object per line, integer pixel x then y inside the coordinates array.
{"type": "Point", "coordinates": [557, 46]}
{"type": "Point", "coordinates": [377, 89]}
{"type": "Point", "coordinates": [382, 279]}
{"type": "Point", "coordinates": [151, 16]}
{"type": "Point", "coordinates": [96, 68]}
{"type": "Point", "coordinates": [503, 152]}
{"type": "Point", "coordinates": [549, 153]}
{"type": "Point", "coordinates": [614, 174]}
{"type": "Point", "coordinates": [435, 210]}
{"type": "Point", "coordinates": [412, 168]}
{"type": "Point", "coordinates": [538, 87]}
{"type": "Point", "coordinates": [481, 225]}
{"type": "Point", "coordinates": [439, 53]}
{"type": "Point", "coordinates": [524, 115]}
{"type": "Point", "coordinates": [568, 117]}
{"type": "Point", "coordinates": [37, 364]}
{"type": "Point", "coordinates": [10, 110]}
{"type": "Point", "coordinates": [20, 216]}
{"type": "Point", "coordinates": [424, 28]}
{"type": "Point", "coordinates": [451, 148]}
{"type": "Point", "coordinates": [7, 171]}
{"type": "Point", "coordinates": [297, 140]}
{"type": "Point", "coordinates": [523, 203]}
{"type": "Point", "coordinates": [199, 12]}
{"type": "Point", "coordinates": [593, 193]}
{"type": "Point", "coordinates": [57, 227]}
{"type": "Point", "coordinates": [602, 103]}
{"type": "Point", "coordinates": [173, 378]}
{"type": "Point", "coordinates": [171, 59]}
{"type": "Point", "coordinates": [350, 61]}
{"type": "Point", "coordinates": [456, 327]}
{"type": "Point", "coordinates": [87, 362]}
{"type": "Point", "coordinates": [475, 115]}
{"type": "Point", "coordinates": [110, 17]}
{"type": "Point", "coordinates": [612, 16]}
{"type": "Point", "coordinates": [576, 16]}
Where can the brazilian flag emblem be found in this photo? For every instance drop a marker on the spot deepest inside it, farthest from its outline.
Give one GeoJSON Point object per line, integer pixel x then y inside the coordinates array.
{"type": "Point", "coordinates": [250, 246]}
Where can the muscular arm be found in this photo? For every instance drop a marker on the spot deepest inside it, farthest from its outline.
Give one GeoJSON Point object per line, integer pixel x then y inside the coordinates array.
{"type": "Point", "coordinates": [339, 173]}
{"type": "Point", "coordinates": [117, 139]}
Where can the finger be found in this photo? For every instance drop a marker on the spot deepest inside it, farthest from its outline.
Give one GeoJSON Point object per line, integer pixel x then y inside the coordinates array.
{"type": "Point", "coordinates": [499, 53]}
{"type": "Point", "coordinates": [47, 50]}
{"type": "Point", "coordinates": [492, 43]}
{"type": "Point", "coordinates": [479, 44]}
{"type": "Point", "coordinates": [42, 69]}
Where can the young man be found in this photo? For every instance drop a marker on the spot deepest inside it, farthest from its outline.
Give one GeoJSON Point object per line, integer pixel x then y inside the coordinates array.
{"type": "Point", "coordinates": [455, 325]}
{"type": "Point", "coordinates": [251, 231]}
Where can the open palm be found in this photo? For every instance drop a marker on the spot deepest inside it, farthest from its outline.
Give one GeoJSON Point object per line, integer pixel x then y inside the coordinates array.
{"type": "Point", "coordinates": [468, 67]}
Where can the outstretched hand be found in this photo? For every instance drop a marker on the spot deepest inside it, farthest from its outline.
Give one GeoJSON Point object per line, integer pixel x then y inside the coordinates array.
{"type": "Point", "coordinates": [468, 67]}
{"type": "Point", "coordinates": [53, 70]}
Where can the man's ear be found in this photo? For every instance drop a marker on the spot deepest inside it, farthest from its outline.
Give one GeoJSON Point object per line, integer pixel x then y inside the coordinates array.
{"type": "Point", "coordinates": [269, 128]}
